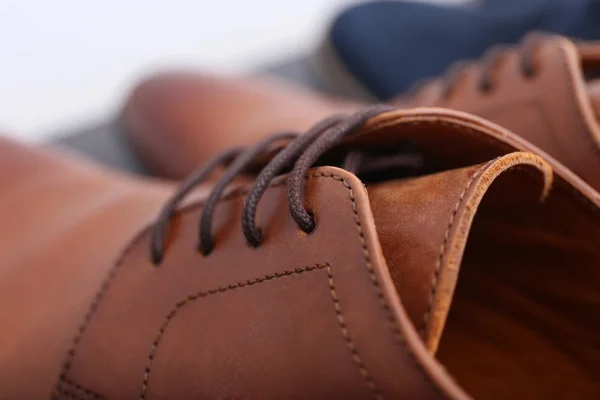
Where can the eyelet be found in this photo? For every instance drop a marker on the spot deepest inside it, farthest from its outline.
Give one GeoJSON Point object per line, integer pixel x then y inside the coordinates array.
{"type": "Point", "coordinates": [528, 71]}
{"type": "Point", "coordinates": [314, 226]}
{"type": "Point", "coordinates": [256, 245]}
{"type": "Point", "coordinates": [485, 87]}
{"type": "Point", "coordinates": [156, 259]}
{"type": "Point", "coordinates": [204, 252]}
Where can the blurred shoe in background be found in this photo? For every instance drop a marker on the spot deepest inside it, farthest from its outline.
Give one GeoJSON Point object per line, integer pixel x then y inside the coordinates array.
{"type": "Point", "coordinates": [547, 90]}
{"type": "Point", "coordinates": [192, 116]}
{"type": "Point", "coordinates": [379, 49]}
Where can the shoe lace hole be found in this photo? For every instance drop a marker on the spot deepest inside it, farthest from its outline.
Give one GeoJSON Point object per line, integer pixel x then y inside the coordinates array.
{"type": "Point", "coordinates": [156, 259]}
{"type": "Point", "coordinates": [257, 241]}
{"type": "Point", "coordinates": [485, 87]}
{"type": "Point", "coordinates": [203, 252]}
{"type": "Point", "coordinates": [529, 72]}
{"type": "Point", "coordinates": [309, 231]}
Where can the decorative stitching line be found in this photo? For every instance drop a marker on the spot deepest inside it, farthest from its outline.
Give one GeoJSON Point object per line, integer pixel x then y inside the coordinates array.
{"type": "Point", "coordinates": [70, 389]}
{"type": "Point", "coordinates": [397, 334]}
{"type": "Point", "coordinates": [72, 395]}
{"type": "Point", "coordinates": [575, 193]}
{"type": "Point", "coordinates": [85, 391]}
{"type": "Point", "coordinates": [94, 306]}
{"type": "Point", "coordinates": [442, 252]}
{"type": "Point", "coordinates": [108, 280]}
{"type": "Point", "coordinates": [210, 292]}
{"type": "Point", "coordinates": [364, 372]}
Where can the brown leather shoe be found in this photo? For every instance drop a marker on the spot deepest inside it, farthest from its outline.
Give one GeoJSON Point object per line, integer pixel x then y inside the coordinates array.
{"type": "Point", "coordinates": [544, 90]}
{"type": "Point", "coordinates": [547, 90]}
{"type": "Point", "coordinates": [364, 306]}
{"type": "Point", "coordinates": [63, 222]}
{"type": "Point", "coordinates": [195, 117]}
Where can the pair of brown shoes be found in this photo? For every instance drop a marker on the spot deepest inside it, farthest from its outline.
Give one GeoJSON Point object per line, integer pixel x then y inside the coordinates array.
{"type": "Point", "coordinates": [382, 254]}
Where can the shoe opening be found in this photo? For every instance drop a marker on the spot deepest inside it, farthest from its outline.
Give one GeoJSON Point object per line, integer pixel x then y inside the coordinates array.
{"type": "Point", "coordinates": [524, 320]}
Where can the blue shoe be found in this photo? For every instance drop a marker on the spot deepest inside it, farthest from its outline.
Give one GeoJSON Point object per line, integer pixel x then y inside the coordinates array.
{"type": "Point", "coordinates": [379, 49]}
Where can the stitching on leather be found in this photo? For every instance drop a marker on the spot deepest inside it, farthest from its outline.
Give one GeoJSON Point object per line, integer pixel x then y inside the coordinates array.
{"type": "Point", "coordinates": [508, 148]}
{"type": "Point", "coordinates": [71, 395]}
{"type": "Point", "coordinates": [87, 392]}
{"type": "Point", "coordinates": [591, 206]}
{"type": "Point", "coordinates": [442, 252]}
{"type": "Point", "coordinates": [75, 391]}
{"type": "Point", "coordinates": [210, 292]}
{"type": "Point", "coordinates": [397, 334]}
{"type": "Point", "coordinates": [364, 372]}
{"type": "Point", "coordinates": [88, 317]}
{"type": "Point", "coordinates": [109, 279]}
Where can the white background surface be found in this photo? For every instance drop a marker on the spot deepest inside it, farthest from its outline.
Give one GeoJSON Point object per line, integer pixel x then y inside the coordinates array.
{"type": "Point", "coordinates": [64, 63]}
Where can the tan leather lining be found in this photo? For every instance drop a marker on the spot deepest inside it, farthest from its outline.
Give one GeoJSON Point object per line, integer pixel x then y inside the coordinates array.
{"type": "Point", "coordinates": [473, 369]}
{"type": "Point", "coordinates": [527, 279]}
{"type": "Point", "coordinates": [455, 239]}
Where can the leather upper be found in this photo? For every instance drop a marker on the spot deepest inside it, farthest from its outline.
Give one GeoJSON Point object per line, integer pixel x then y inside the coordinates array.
{"type": "Point", "coordinates": [491, 260]}
{"type": "Point", "coordinates": [557, 108]}
{"type": "Point", "coordinates": [363, 307]}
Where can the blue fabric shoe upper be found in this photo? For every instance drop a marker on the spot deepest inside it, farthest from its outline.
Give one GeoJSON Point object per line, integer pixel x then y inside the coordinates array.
{"type": "Point", "coordinates": [389, 45]}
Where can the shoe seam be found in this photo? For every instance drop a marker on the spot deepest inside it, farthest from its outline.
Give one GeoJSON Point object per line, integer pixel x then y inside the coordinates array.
{"type": "Point", "coordinates": [206, 293]}
{"type": "Point", "coordinates": [561, 181]}
{"type": "Point", "coordinates": [443, 247]}
{"type": "Point", "coordinates": [223, 289]}
{"type": "Point", "coordinates": [364, 372]}
{"type": "Point", "coordinates": [75, 391]}
{"type": "Point", "coordinates": [393, 325]}
{"type": "Point", "coordinates": [575, 193]}
{"type": "Point", "coordinates": [396, 333]}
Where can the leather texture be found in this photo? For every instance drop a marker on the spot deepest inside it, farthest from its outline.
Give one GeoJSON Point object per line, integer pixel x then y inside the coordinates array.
{"type": "Point", "coordinates": [195, 116]}
{"type": "Point", "coordinates": [370, 305]}
{"type": "Point", "coordinates": [557, 108]}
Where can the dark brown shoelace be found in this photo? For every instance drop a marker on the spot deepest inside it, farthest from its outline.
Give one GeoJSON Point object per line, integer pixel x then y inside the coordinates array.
{"type": "Point", "coordinates": [301, 151]}
{"type": "Point", "coordinates": [488, 63]}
